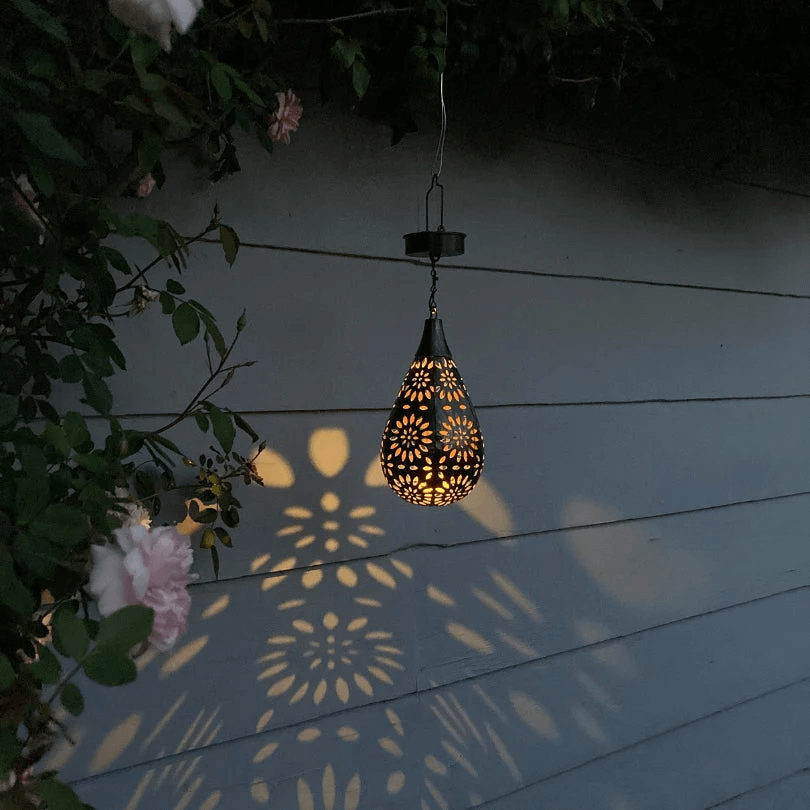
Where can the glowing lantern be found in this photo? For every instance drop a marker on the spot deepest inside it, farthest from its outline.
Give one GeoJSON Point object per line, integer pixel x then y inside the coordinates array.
{"type": "Point", "coordinates": [432, 450]}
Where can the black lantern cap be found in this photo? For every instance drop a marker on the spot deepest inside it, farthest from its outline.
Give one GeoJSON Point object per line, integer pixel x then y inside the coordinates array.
{"type": "Point", "coordinates": [434, 244]}
{"type": "Point", "coordinates": [433, 343]}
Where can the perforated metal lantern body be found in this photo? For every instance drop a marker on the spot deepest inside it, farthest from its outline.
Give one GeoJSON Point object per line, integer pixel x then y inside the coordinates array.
{"type": "Point", "coordinates": [432, 450]}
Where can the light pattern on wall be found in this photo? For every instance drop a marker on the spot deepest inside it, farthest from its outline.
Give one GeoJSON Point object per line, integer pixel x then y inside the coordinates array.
{"type": "Point", "coordinates": [177, 784]}
{"type": "Point", "coordinates": [471, 741]}
{"type": "Point", "coordinates": [315, 659]}
{"type": "Point", "coordinates": [506, 607]}
{"type": "Point", "coordinates": [330, 785]}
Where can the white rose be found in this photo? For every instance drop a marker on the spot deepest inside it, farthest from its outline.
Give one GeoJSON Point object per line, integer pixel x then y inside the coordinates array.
{"type": "Point", "coordinates": [155, 17]}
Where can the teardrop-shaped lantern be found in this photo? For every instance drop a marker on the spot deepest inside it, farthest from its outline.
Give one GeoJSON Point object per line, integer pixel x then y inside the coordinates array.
{"type": "Point", "coordinates": [432, 450]}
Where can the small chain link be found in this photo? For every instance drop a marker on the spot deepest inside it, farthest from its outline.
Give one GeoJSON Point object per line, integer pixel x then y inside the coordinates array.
{"type": "Point", "coordinates": [434, 278]}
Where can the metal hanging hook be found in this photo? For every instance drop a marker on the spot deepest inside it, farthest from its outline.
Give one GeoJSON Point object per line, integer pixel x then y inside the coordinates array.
{"type": "Point", "coordinates": [434, 183]}
{"type": "Point", "coordinates": [436, 244]}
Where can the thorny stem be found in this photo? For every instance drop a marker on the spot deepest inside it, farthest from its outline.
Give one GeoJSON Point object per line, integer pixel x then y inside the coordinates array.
{"type": "Point", "coordinates": [196, 398]}
{"type": "Point", "coordinates": [61, 685]}
{"type": "Point", "coordinates": [141, 273]}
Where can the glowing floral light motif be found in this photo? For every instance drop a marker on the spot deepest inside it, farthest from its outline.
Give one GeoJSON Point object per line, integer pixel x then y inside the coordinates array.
{"type": "Point", "coordinates": [330, 525]}
{"type": "Point", "coordinates": [329, 658]}
{"type": "Point", "coordinates": [329, 528]}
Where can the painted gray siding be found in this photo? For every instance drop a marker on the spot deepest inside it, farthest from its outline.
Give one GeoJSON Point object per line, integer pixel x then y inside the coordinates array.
{"type": "Point", "coordinates": [616, 619]}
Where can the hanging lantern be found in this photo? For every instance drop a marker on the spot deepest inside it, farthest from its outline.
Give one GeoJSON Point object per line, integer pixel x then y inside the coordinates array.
{"type": "Point", "coordinates": [432, 450]}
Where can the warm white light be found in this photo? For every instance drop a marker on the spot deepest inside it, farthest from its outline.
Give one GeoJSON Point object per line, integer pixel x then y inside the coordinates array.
{"type": "Point", "coordinates": [432, 450]}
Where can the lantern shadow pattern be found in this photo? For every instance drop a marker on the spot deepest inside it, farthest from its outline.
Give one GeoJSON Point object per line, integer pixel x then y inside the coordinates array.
{"type": "Point", "coordinates": [333, 645]}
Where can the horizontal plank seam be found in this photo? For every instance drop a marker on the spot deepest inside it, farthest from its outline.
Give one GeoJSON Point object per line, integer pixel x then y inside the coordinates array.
{"type": "Point", "coordinates": [678, 285]}
{"type": "Point", "coordinates": [418, 692]}
{"type": "Point", "coordinates": [758, 788]}
{"type": "Point", "coordinates": [486, 540]}
{"type": "Point", "coordinates": [646, 740]}
{"type": "Point", "coordinates": [485, 407]}
{"type": "Point", "coordinates": [719, 179]}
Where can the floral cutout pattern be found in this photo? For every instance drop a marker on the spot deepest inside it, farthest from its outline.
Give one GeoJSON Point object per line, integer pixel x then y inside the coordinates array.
{"type": "Point", "coordinates": [432, 451]}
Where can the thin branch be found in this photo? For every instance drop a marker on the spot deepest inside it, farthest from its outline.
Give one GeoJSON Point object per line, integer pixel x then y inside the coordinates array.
{"type": "Point", "coordinates": [187, 411]}
{"type": "Point", "coordinates": [586, 80]}
{"type": "Point", "coordinates": [346, 17]}
{"type": "Point", "coordinates": [141, 273]}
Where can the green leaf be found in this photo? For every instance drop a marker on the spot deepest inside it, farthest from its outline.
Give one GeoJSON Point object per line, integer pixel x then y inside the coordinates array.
{"type": "Point", "coordinates": [46, 668]}
{"type": "Point", "coordinates": [97, 393]}
{"type": "Point", "coordinates": [75, 429]}
{"type": "Point", "coordinates": [42, 134]}
{"type": "Point", "coordinates": [149, 150]}
{"type": "Point", "coordinates": [215, 561]}
{"type": "Point", "coordinates": [60, 523]}
{"type": "Point", "coordinates": [58, 795]}
{"type": "Point", "coordinates": [10, 748]}
{"type": "Point", "coordinates": [144, 51]}
{"type": "Point", "coordinates": [93, 463]}
{"type": "Point", "coordinates": [56, 436]}
{"type": "Point", "coordinates": [136, 225]}
{"type": "Point", "coordinates": [172, 114]}
{"type": "Point", "coordinates": [207, 516]}
{"type": "Point", "coordinates": [245, 427]}
{"type": "Point", "coordinates": [72, 699]}
{"type": "Point", "coordinates": [221, 82]}
{"type": "Point", "coordinates": [241, 323]}
{"type": "Point", "coordinates": [166, 303]}
{"type": "Point", "coordinates": [42, 20]}
{"type": "Point", "coordinates": [261, 26]}
{"type": "Point", "coordinates": [116, 259]}
{"type": "Point", "coordinates": [41, 175]}
{"type": "Point", "coordinates": [223, 427]}
{"type": "Point", "coordinates": [245, 27]}
{"type": "Point", "coordinates": [70, 368]}
{"type": "Point", "coordinates": [96, 80]}
{"type": "Point", "coordinates": [40, 64]}
{"type": "Point", "coordinates": [110, 666]}
{"type": "Point", "coordinates": [345, 51]}
{"type": "Point", "coordinates": [211, 329]}
{"type": "Point", "coordinates": [70, 635]}
{"type": "Point", "coordinates": [125, 628]}
{"type": "Point", "coordinates": [12, 592]}
{"type": "Point", "coordinates": [224, 537]}
{"type": "Point", "coordinates": [9, 407]}
{"type": "Point", "coordinates": [230, 243]}
{"type": "Point", "coordinates": [208, 537]}
{"type": "Point", "coordinates": [360, 78]}
{"type": "Point", "coordinates": [186, 323]}
{"type": "Point", "coordinates": [7, 673]}
{"type": "Point", "coordinates": [175, 287]}
{"type": "Point", "coordinates": [202, 421]}
{"type": "Point", "coordinates": [35, 555]}
{"type": "Point", "coordinates": [33, 495]}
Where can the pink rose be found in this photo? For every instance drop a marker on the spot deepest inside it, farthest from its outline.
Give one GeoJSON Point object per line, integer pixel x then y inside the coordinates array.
{"type": "Point", "coordinates": [148, 567]}
{"type": "Point", "coordinates": [285, 119]}
{"type": "Point", "coordinates": [146, 186]}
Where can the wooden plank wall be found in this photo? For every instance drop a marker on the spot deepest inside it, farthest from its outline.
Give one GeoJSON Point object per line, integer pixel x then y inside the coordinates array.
{"type": "Point", "coordinates": [616, 619]}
